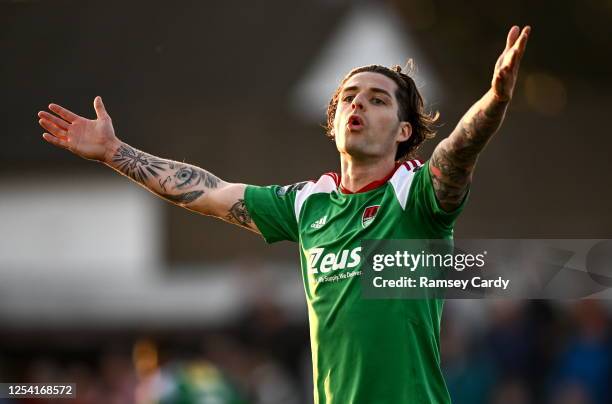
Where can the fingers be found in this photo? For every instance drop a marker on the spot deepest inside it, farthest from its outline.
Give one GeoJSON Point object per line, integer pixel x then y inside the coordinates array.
{"type": "Point", "coordinates": [52, 128]}
{"type": "Point", "coordinates": [57, 121]}
{"type": "Point", "coordinates": [512, 35]}
{"type": "Point", "coordinates": [519, 48]}
{"type": "Point", "coordinates": [517, 38]}
{"type": "Point", "coordinates": [510, 59]}
{"type": "Point", "coordinates": [513, 55]}
{"type": "Point", "coordinates": [522, 41]}
{"type": "Point", "coordinates": [55, 140]}
{"type": "Point", "coordinates": [68, 116]}
{"type": "Point", "coordinates": [99, 107]}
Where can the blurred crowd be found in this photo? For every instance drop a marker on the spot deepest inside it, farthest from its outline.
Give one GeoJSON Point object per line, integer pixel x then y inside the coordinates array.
{"type": "Point", "coordinates": [498, 352]}
{"type": "Point", "coordinates": [528, 352]}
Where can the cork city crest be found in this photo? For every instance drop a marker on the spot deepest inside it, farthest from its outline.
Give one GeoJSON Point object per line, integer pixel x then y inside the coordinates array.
{"type": "Point", "coordinates": [368, 215]}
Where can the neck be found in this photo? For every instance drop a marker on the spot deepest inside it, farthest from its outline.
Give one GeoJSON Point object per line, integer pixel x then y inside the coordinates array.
{"type": "Point", "coordinates": [356, 174]}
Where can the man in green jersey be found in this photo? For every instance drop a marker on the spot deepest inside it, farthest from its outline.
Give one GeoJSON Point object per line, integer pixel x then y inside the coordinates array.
{"type": "Point", "coordinates": [363, 351]}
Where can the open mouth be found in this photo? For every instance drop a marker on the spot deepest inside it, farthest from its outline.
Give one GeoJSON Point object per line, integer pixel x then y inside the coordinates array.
{"type": "Point", "coordinates": [355, 122]}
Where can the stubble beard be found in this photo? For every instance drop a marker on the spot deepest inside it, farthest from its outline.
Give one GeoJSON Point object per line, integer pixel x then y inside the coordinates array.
{"type": "Point", "coordinates": [356, 145]}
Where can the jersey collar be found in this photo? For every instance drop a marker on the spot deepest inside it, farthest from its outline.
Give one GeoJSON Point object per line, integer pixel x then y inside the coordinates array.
{"type": "Point", "coordinates": [372, 185]}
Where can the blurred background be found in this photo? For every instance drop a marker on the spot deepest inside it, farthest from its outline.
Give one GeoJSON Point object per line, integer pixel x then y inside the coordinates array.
{"type": "Point", "coordinates": [135, 300]}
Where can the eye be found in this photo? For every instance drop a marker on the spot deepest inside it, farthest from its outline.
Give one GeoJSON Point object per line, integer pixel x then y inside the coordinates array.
{"type": "Point", "coordinates": [348, 98]}
{"type": "Point", "coordinates": [185, 176]}
{"type": "Point", "coordinates": [378, 101]}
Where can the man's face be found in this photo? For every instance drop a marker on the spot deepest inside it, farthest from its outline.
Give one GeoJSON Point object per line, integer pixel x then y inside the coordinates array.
{"type": "Point", "coordinates": [366, 124]}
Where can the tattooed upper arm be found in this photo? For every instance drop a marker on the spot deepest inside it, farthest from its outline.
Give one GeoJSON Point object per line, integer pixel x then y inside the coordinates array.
{"type": "Point", "coordinates": [449, 177]}
{"type": "Point", "coordinates": [227, 203]}
{"type": "Point", "coordinates": [239, 214]}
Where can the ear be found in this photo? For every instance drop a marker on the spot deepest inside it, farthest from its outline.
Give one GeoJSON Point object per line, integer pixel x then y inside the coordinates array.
{"type": "Point", "coordinates": [405, 131]}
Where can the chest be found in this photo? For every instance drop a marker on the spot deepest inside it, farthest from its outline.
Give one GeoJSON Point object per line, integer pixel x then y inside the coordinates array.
{"type": "Point", "coordinates": [340, 220]}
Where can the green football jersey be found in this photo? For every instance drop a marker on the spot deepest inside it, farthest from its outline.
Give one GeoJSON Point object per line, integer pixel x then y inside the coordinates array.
{"type": "Point", "coordinates": [363, 351]}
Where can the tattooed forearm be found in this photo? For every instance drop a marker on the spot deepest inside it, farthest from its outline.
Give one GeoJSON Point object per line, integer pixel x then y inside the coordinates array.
{"type": "Point", "coordinates": [187, 197]}
{"type": "Point", "coordinates": [163, 183]}
{"type": "Point", "coordinates": [136, 164]}
{"type": "Point", "coordinates": [481, 122]}
{"type": "Point", "coordinates": [454, 159]}
{"type": "Point", "coordinates": [179, 183]}
{"type": "Point", "coordinates": [239, 214]}
{"type": "Point", "coordinates": [183, 184]}
{"type": "Point", "coordinates": [188, 176]}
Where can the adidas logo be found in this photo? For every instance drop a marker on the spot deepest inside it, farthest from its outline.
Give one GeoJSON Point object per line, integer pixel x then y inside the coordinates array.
{"type": "Point", "coordinates": [319, 223]}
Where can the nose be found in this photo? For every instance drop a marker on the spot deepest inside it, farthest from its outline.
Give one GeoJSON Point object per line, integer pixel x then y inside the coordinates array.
{"type": "Point", "coordinates": [357, 104]}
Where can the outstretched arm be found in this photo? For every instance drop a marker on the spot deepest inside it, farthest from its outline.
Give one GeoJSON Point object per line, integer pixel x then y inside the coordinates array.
{"type": "Point", "coordinates": [454, 159]}
{"type": "Point", "coordinates": [182, 184]}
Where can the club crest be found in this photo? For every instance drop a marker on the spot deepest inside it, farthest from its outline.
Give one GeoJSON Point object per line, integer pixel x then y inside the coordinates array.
{"type": "Point", "coordinates": [368, 215]}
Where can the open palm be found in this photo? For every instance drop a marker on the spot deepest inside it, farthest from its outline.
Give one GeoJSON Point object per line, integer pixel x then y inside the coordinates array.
{"type": "Point", "coordinates": [88, 138]}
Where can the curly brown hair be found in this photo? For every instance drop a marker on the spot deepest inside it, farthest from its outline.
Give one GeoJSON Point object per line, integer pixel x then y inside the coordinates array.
{"type": "Point", "coordinates": [411, 108]}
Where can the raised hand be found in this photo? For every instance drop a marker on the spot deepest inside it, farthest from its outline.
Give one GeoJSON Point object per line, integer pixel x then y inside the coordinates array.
{"type": "Point", "coordinates": [454, 158]}
{"type": "Point", "coordinates": [92, 139]}
{"type": "Point", "coordinates": [507, 66]}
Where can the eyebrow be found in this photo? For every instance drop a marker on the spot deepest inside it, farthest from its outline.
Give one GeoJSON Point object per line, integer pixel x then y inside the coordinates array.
{"type": "Point", "coordinates": [372, 89]}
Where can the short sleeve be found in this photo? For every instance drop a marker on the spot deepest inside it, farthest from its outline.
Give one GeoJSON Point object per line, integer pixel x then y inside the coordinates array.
{"type": "Point", "coordinates": [425, 198]}
{"type": "Point", "coordinates": [272, 210]}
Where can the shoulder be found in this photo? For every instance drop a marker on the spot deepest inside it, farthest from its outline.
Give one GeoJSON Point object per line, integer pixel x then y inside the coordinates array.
{"type": "Point", "coordinates": [301, 191]}
{"type": "Point", "coordinates": [404, 176]}
{"type": "Point", "coordinates": [325, 183]}
{"type": "Point", "coordinates": [405, 171]}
